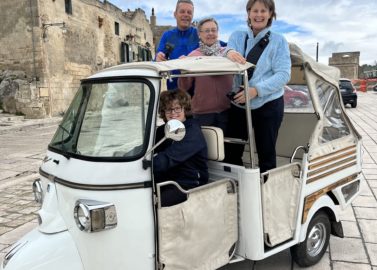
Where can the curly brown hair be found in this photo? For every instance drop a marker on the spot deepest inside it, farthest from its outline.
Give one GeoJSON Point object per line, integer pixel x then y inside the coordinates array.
{"type": "Point", "coordinates": [168, 97]}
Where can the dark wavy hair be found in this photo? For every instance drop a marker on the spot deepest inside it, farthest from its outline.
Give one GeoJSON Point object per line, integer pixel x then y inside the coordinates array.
{"type": "Point", "coordinates": [270, 4]}
{"type": "Point", "coordinates": [169, 96]}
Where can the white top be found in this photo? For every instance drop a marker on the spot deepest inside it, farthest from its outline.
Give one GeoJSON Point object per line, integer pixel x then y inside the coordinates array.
{"type": "Point", "coordinates": [195, 64]}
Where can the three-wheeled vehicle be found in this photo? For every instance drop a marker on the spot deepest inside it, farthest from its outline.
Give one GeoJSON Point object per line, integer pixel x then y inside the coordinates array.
{"type": "Point", "coordinates": [101, 208]}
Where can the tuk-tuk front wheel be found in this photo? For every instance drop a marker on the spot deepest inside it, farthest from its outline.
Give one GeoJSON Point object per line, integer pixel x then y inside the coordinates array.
{"type": "Point", "coordinates": [311, 250]}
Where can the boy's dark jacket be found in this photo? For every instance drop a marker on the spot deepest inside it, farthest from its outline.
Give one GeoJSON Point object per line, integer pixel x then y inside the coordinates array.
{"type": "Point", "coordinates": [185, 161]}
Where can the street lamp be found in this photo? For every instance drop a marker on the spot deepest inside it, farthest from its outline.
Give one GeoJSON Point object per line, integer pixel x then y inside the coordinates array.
{"type": "Point", "coordinates": [316, 53]}
{"type": "Point", "coordinates": [45, 26]}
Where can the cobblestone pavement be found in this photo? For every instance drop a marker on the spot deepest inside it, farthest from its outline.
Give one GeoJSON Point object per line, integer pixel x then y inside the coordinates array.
{"type": "Point", "coordinates": [23, 144]}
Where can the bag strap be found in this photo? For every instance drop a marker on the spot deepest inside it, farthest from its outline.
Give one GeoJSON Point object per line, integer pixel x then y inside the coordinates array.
{"type": "Point", "coordinates": [255, 53]}
{"type": "Point", "coordinates": [245, 44]}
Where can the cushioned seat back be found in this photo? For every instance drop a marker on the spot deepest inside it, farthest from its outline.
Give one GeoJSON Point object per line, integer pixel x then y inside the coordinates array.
{"type": "Point", "coordinates": [215, 142]}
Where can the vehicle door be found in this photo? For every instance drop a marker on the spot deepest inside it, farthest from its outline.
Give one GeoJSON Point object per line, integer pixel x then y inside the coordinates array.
{"type": "Point", "coordinates": [201, 232]}
{"type": "Point", "coordinates": [334, 159]}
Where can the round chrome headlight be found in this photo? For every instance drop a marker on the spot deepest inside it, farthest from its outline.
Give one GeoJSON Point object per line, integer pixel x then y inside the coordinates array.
{"type": "Point", "coordinates": [82, 217]}
{"type": "Point", "coordinates": [37, 191]}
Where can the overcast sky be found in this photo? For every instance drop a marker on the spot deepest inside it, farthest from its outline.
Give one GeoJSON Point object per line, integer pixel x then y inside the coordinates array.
{"type": "Point", "coordinates": [337, 25]}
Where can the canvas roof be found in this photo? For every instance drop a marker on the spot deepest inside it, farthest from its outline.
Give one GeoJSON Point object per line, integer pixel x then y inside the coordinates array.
{"type": "Point", "coordinates": [214, 64]}
{"type": "Point", "coordinates": [328, 73]}
{"type": "Point", "coordinates": [197, 64]}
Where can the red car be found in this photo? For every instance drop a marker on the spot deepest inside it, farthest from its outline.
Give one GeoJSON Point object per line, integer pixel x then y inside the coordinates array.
{"type": "Point", "coordinates": [295, 98]}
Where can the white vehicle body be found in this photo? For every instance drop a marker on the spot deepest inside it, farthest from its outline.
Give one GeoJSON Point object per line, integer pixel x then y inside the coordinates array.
{"type": "Point", "coordinates": [101, 206]}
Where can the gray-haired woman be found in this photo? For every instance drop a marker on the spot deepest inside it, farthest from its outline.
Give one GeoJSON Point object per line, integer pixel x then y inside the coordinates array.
{"type": "Point", "coordinates": [209, 103]}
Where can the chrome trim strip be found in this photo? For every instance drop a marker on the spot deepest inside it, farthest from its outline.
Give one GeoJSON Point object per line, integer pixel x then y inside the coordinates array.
{"type": "Point", "coordinates": [145, 184]}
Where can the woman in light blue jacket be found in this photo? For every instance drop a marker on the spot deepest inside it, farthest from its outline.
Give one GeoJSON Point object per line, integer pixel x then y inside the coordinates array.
{"type": "Point", "coordinates": [266, 85]}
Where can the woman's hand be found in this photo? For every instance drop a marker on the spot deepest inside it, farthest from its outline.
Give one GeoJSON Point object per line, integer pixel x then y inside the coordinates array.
{"type": "Point", "coordinates": [240, 97]}
{"type": "Point", "coordinates": [236, 57]}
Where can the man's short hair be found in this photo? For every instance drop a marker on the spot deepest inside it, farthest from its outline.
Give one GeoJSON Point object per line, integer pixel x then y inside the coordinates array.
{"type": "Point", "coordinates": [183, 1]}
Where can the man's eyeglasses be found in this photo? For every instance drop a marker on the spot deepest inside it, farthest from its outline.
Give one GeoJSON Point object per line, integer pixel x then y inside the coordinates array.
{"type": "Point", "coordinates": [207, 31]}
{"type": "Point", "coordinates": [174, 110]}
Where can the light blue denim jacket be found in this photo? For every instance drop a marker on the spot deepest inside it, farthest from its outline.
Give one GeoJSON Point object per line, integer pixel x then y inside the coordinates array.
{"type": "Point", "coordinates": [273, 69]}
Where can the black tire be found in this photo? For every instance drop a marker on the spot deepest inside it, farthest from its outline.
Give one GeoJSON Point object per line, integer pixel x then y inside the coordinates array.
{"type": "Point", "coordinates": [354, 104]}
{"type": "Point", "coordinates": [311, 250]}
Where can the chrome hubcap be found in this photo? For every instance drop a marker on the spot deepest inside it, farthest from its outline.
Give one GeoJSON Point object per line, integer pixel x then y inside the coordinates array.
{"type": "Point", "coordinates": [316, 239]}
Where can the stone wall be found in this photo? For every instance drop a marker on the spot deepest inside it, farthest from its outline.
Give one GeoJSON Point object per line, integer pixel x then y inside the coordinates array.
{"type": "Point", "coordinates": [21, 51]}
{"type": "Point", "coordinates": [19, 30]}
{"type": "Point", "coordinates": [90, 44]}
{"type": "Point", "coordinates": [347, 62]}
{"type": "Point", "coordinates": [56, 60]}
{"type": "Point", "coordinates": [20, 95]}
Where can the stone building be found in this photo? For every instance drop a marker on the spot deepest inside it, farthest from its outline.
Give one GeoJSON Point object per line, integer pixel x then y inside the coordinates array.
{"type": "Point", "coordinates": [56, 43]}
{"type": "Point", "coordinates": [347, 62]}
{"type": "Point", "coordinates": [158, 30]}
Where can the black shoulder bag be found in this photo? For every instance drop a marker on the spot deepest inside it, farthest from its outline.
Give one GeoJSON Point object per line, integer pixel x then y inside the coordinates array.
{"type": "Point", "coordinates": [255, 53]}
{"type": "Point", "coordinates": [233, 152]}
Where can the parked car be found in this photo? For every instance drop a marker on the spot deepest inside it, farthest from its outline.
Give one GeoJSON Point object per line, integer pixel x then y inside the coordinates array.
{"type": "Point", "coordinates": [295, 98]}
{"type": "Point", "coordinates": [348, 92]}
{"type": "Point", "coordinates": [375, 87]}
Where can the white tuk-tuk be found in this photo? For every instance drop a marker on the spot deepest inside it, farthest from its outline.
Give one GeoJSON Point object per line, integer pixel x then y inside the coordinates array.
{"type": "Point", "coordinates": [101, 208]}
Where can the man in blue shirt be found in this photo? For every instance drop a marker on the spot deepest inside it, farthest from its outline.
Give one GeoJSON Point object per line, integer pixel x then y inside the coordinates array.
{"type": "Point", "coordinates": [181, 40]}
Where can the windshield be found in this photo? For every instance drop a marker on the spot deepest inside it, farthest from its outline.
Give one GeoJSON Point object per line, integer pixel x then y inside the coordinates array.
{"type": "Point", "coordinates": [346, 86]}
{"type": "Point", "coordinates": [106, 120]}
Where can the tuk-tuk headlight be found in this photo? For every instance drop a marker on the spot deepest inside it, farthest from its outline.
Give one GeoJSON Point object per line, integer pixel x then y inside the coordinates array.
{"type": "Point", "coordinates": [94, 216]}
{"type": "Point", "coordinates": [38, 191]}
{"type": "Point", "coordinates": [82, 216]}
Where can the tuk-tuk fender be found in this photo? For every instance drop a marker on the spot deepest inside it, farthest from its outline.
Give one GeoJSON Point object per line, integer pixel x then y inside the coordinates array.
{"type": "Point", "coordinates": [51, 220]}
{"type": "Point", "coordinates": [45, 252]}
{"type": "Point", "coordinates": [321, 203]}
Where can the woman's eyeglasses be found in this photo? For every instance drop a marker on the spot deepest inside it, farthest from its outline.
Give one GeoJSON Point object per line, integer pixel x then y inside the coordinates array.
{"type": "Point", "coordinates": [207, 31]}
{"type": "Point", "coordinates": [174, 110]}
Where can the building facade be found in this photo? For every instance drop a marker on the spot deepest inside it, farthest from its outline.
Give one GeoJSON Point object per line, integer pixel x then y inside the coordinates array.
{"type": "Point", "coordinates": [59, 42]}
{"type": "Point", "coordinates": [347, 62]}
{"type": "Point", "coordinates": [158, 30]}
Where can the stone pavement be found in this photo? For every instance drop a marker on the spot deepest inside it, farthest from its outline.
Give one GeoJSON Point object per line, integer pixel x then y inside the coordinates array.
{"type": "Point", "coordinates": [22, 147]}
{"type": "Point", "coordinates": [23, 144]}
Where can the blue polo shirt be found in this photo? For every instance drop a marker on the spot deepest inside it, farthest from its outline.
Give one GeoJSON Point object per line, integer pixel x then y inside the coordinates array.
{"type": "Point", "coordinates": [184, 42]}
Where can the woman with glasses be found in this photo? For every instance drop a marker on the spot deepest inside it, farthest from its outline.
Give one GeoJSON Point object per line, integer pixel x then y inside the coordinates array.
{"type": "Point", "coordinates": [185, 161]}
{"type": "Point", "coordinates": [209, 101]}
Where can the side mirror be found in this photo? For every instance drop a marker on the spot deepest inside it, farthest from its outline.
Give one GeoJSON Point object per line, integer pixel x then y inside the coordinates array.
{"type": "Point", "coordinates": [175, 130]}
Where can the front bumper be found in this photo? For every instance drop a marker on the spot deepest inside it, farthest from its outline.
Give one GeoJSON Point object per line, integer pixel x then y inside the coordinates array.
{"type": "Point", "coordinates": [39, 251]}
